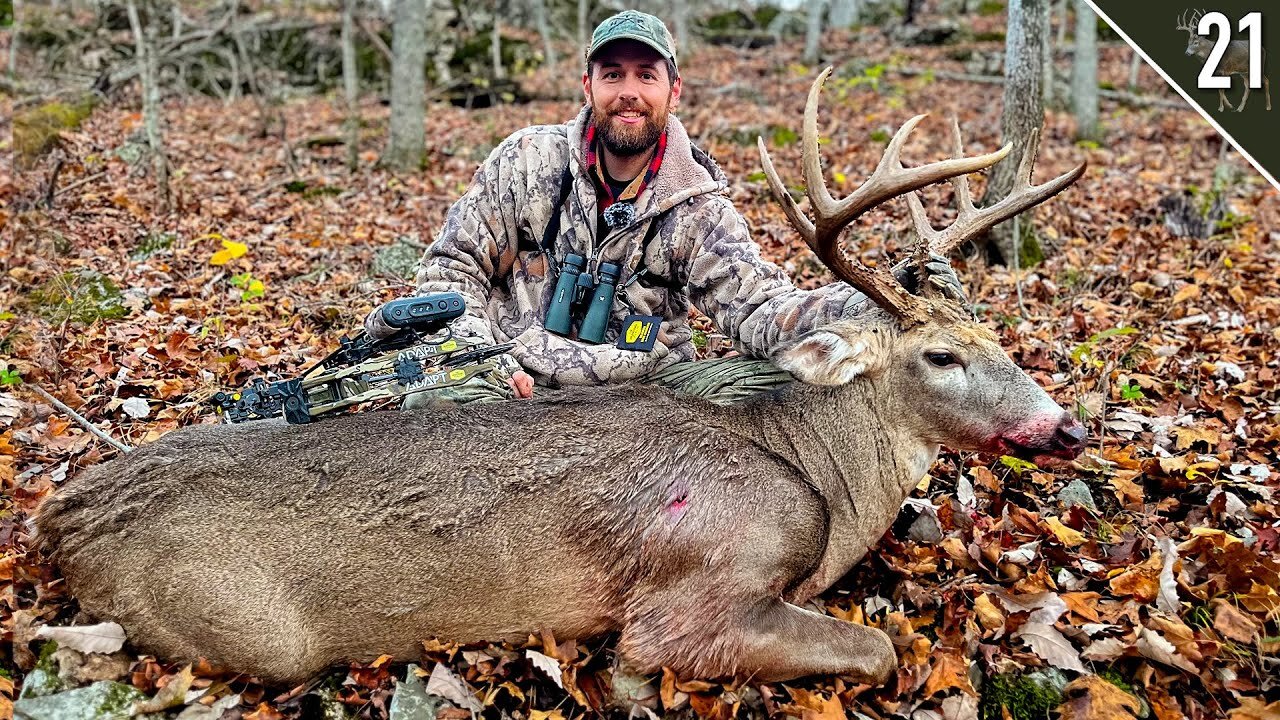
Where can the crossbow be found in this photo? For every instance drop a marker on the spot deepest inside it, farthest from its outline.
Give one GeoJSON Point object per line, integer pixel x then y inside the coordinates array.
{"type": "Point", "coordinates": [422, 354]}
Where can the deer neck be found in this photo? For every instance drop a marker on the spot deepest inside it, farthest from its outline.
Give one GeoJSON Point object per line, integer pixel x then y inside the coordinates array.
{"type": "Point", "coordinates": [853, 445]}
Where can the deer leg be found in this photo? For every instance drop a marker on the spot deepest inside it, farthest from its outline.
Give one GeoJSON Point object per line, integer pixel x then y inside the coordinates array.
{"type": "Point", "coordinates": [1266, 87]}
{"type": "Point", "coordinates": [1222, 100]}
{"type": "Point", "coordinates": [769, 640]}
{"type": "Point", "coordinates": [1243, 98]}
{"type": "Point", "coordinates": [784, 641]}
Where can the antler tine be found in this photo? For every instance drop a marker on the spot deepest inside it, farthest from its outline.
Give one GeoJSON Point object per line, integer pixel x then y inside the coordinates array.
{"type": "Point", "coordinates": [971, 222]}
{"type": "Point", "coordinates": [964, 199]}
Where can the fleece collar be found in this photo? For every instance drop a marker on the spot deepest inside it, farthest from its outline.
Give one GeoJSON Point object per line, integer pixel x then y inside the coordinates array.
{"type": "Point", "coordinates": [686, 171]}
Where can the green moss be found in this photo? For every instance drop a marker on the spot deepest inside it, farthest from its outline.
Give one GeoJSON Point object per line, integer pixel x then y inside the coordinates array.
{"type": "Point", "coordinates": [36, 130]}
{"type": "Point", "coordinates": [990, 7]}
{"type": "Point", "coordinates": [1030, 254]}
{"type": "Point", "coordinates": [1114, 677]}
{"type": "Point", "coordinates": [1026, 697]}
{"type": "Point", "coordinates": [152, 244]}
{"type": "Point", "coordinates": [80, 297]}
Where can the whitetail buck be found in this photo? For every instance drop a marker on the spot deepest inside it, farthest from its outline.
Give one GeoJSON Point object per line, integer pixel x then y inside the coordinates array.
{"type": "Point", "coordinates": [1235, 61]}
{"type": "Point", "coordinates": [694, 531]}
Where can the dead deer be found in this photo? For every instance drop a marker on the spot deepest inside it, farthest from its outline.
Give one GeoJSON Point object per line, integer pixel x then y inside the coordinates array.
{"type": "Point", "coordinates": [1235, 61]}
{"type": "Point", "coordinates": [694, 531]}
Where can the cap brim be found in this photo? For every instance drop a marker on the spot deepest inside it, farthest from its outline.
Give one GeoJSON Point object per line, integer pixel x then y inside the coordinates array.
{"type": "Point", "coordinates": [638, 38]}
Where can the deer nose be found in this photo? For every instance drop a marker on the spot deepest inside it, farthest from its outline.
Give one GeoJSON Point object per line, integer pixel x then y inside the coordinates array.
{"type": "Point", "coordinates": [1070, 434]}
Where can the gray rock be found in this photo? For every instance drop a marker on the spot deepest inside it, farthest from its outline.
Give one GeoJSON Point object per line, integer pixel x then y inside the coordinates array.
{"type": "Point", "coordinates": [40, 682]}
{"type": "Point", "coordinates": [411, 701]}
{"type": "Point", "coordinates": [100, 701]}
{"type": "Point", "coordinates": [1077, 493]}
{"type": "Point", "coordinates": [399, 259]}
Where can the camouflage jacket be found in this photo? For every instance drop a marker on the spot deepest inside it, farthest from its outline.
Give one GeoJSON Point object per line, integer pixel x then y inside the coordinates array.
{"type": "Point", "coordinates": [702, 255]}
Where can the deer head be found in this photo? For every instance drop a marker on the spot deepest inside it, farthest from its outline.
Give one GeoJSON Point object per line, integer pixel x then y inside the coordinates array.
{"type": "Point", "coordinates": [1197, 44]}
{"type": "Point", "coordinates": [950, 381]}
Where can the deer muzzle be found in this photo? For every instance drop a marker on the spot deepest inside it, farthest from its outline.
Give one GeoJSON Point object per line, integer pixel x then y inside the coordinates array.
{"type": "Point", "coordinates": [1044, 441]}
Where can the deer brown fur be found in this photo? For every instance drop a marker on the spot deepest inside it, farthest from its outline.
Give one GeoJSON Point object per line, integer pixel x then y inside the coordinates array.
{"type": "Point", "coordinates": [694, 531]}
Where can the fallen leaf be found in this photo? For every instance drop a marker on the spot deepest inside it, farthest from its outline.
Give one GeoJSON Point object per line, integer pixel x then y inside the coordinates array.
{"type": "Point", "coordinates": [548, 665]}
{"type": "Point", "coordinates": [1152, 645]}
{"type": "Point", "coordinates": [171, 695]}
{"type": "Point", "coordinates": [1254, 709]}
{"type": "Point", "coordinates": [1064, 534]}
{"type": "Point", "coordinates": [950, 671]}
{"type": "Point", "coordinates": [1167, 596]}
{"type": "Point", "coordinates": [136, 407]}
{"type": "Point", "coordinates": [1233, 624]}
{"type": "Point", "coordinates": [1092, 698]}
{"type": "Point", "coordinates": [553, 714]}
{"type": "Point", "coordinates": [230, 251]}
{"type": "Point", "coordinates": [816, 705]}
{"type": "Point", "coordinates": [450, 687]}
{"type": "Point", "coordinates": [988, 614]}
{"type": "Point", "coordinates": [1084, 604]}
{"type": "Point", "coordinates": [1045, 641]}
{"type": "Point", "coordinates": [102, 638]}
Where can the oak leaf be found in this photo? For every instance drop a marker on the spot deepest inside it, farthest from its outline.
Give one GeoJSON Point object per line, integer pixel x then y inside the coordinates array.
{"type": "Point", "coordinates": [1233, 624]}
{"type": "Point", "coordinates": [949, 671]}
{"type": "Point", "coordinates": [1065, 535]}
{"type": "Point", "coordinates": [1255, 709]}
{"type": "Point", "coordinates": [1092, 698]}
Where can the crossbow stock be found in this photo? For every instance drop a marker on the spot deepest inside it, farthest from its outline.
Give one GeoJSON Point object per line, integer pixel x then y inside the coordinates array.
{"type": "Point", "coordinates": [423, 354]}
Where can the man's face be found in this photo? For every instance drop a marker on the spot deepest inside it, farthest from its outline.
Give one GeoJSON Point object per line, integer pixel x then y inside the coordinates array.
{"type": "Point", "coordinates": [630, 95]}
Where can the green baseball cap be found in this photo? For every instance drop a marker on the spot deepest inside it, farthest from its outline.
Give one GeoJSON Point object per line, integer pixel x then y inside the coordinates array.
{"type": "Point", "coordinates": [633, 25]}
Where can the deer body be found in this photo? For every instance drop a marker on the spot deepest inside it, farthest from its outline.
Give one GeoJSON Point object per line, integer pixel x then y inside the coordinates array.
{"type": "Point", "coordinates": [1234, 61]}
{"type": "Point", "coordinates": [280, 550]}
{"type": "Point", "coordinates": [694, 531]}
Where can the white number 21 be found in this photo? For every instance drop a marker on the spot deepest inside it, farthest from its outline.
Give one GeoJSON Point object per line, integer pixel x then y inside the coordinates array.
{"type": "Point", "coordinates": [1251, 23]}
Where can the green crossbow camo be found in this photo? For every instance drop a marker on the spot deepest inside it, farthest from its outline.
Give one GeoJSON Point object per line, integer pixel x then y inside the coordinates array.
{"type": "Point", "coordinates": [422, 355]}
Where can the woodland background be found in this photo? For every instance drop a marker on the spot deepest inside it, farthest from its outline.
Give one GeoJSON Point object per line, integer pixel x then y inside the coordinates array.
{"type": "Point", "coordinates": [198, 195]}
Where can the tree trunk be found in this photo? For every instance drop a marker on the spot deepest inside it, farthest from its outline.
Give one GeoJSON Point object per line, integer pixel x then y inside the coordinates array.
{"type": "Point", "coordinates": [813, 30]}
{"type": "Point", "coordinates": [350, 84]}
{"type": "Point", "coordinates": [1023, 114]}
{"type": "Point", "coordinates": [913, 8]}
{"type": "Point", "coordinates": [1135, 65]}
{"type": "Point", "coordinates": [680, 19]}
{"type": "Point", "coordinates": [406, 146]}
{"type": "Point", "coordinates": [1047, 83]}
{"type": "Point", "coordinates": [15, 29]}
{"type": "Point", "coordinates": [844, 13]}
{"type": "Point", "coordinates": [544, 29]}
{"type": "Point", "coordinates": [144, 39]}
{"type": "Point", "coordinates": [495, 45]}
{"type": "Point", "coordinates": [1062, 22]}
{"type": "Point", "coordinates": [1084, 75]}
{"type": "Point", "coordinates": [584, 32]}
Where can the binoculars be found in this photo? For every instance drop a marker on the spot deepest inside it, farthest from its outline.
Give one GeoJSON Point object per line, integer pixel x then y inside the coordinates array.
{"type": "Point", "coordinates": [576, 290]}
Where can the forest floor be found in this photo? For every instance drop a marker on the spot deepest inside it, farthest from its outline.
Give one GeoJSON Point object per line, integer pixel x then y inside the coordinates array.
{"type": "Point", "coordinates": [1154, 591]}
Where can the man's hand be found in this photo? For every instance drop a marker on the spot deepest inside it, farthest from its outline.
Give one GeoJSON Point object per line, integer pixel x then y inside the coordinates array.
{"type": "Point", "coordinates": [521, 384]}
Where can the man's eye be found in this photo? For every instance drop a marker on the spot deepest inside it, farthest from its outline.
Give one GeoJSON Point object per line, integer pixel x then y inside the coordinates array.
{"type": "Point", "coordinates": [942, 359]}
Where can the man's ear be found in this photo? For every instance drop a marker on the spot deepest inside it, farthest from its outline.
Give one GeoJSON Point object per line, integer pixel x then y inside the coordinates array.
{"type": "Point", "coordinates": [833, 355]}
{"type": "Point", "coordinates": [676, 88]}
{"type": "Point", "coordinates": [586, 85]}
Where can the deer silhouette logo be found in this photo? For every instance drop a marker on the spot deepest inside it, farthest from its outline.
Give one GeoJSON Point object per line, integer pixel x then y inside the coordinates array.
{"type": "Point", "coordinates": [1234, 60]}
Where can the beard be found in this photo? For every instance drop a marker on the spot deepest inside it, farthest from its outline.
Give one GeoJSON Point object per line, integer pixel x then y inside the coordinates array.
{"type": "Point", "coordinates": [626, 140]}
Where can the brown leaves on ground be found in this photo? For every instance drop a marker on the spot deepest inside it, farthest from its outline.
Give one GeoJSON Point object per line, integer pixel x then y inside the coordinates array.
{"type": "Point", "coordinates": [1167, 345]}
{"type": "Point", "coordinates": [1092, 698]}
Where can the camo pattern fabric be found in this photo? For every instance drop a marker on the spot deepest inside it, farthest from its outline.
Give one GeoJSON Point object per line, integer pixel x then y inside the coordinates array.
{"type": "Point", "coordinates": [702, 256]}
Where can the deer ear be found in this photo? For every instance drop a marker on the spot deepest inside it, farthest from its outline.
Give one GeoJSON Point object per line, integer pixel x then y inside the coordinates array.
{"type": "Point", "coordinates": [833, 355]}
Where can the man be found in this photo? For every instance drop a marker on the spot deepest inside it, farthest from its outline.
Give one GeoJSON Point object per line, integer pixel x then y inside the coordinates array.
{"type": "Point", "coordinates": [621, 185]}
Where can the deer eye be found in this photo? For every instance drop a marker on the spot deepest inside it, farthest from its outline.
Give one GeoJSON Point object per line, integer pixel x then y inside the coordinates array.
{"type": "Point", "coordinates": [942, 359]}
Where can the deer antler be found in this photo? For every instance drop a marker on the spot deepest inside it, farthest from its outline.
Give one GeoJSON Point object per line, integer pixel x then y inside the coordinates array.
{"type": "Point", "coordinates": [1189, 26]}
{"type": "Point", "coordinates": [971, 222]}
{"type": "Point", "coordinates": [889, 180]}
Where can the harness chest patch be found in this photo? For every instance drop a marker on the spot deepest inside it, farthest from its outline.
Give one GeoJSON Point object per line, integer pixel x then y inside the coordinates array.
{"type": "Point", "coordinates": [639, 332]}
